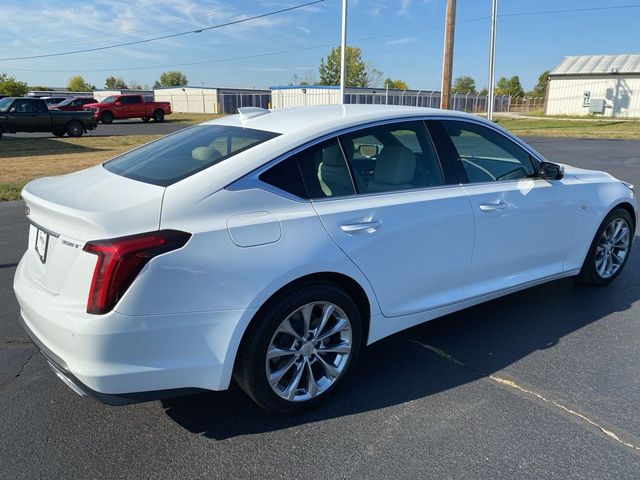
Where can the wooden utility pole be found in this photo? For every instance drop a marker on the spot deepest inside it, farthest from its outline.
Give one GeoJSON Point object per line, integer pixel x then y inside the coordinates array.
{"type": "Point", "coordinates": [447, 62]}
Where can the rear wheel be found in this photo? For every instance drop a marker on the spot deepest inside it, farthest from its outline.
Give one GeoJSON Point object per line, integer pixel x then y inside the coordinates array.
{"type": "Point", "coordinates": [609, 250]}
{"type": "Point", "coordinates": [146, 119]}
{"type": "Point", "coordinates": [158, 116]}
{"type": "Point", "coordinates": [106, 117]}
{"type": "Point", "coordinates": [75, 129]}
{"type": "Point", "coordinates": [300, 348]}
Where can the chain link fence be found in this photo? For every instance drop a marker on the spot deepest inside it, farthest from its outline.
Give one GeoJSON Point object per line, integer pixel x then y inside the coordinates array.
{"type": "Point", "coordinates": [228, 103]}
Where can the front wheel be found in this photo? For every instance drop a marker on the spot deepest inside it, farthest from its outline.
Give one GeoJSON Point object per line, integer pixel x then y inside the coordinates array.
{"type": "Point", "coordinates": [106, 117]}
{"type": "Point", "coordinates": [300, 348]}
{"type": "Point", "coordinates": [75, 129]}
{"type": "Point", "coordinates": [609, 250]}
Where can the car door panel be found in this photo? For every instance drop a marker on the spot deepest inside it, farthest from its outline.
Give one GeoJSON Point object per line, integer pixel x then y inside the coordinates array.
{"type": "Point", "coordinates": [414, 247]}
{"type": "Point", "coordinates": [524, 225]}
{"type": "Point", "coordinates": [523, 232]}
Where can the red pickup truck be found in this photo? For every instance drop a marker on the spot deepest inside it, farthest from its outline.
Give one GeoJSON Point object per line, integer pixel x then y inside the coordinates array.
{"type": "Point", "coordinates": [128, 106]}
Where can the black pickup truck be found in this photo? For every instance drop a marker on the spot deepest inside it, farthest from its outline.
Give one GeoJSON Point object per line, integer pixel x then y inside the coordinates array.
{"type": "Point", "coordinates": [24, 114]}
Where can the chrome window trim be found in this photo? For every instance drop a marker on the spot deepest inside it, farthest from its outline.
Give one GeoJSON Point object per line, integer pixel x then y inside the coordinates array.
{"type": "Point", "coordinates": [252, 181]}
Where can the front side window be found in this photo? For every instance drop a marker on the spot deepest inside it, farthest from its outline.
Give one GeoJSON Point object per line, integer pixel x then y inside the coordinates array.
{"type": "Point", "coordinates": [398, 156]}
{"type": "Point", "coordinates": [24, 106]}
{"type": "Point", "coordinates": [174, 157]}
{"type": "Point", "coordinates": [486, 155]}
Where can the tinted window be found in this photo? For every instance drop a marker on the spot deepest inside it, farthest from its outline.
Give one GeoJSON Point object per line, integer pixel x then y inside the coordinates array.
{"type": "Point", "coordinates": [24, 106]}
{"type": "Point", "coordinates": [286, 176]}
{"type": "Point", "coordinates": [182, 154]}
{"type": "Point", "coordinates": [399, 156]}
{"type": "Point", "coordinates": [130, 100]}
{"type": "Point", "coordinates": [486, 155]}
{"type": "Point", "coordinates": [317, 172]}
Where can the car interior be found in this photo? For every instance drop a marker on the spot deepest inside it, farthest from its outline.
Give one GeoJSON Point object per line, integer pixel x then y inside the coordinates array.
{"type": "Point", "coordinates": [399, 157]}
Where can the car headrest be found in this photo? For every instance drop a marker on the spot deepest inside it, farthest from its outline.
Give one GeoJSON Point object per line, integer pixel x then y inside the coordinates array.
{"type": "Point", "coordinates": [205, 154]}
{"type": "Point", "coordinates": [332, 156]}
{"type": "Point", "coordinates": [396, 165]}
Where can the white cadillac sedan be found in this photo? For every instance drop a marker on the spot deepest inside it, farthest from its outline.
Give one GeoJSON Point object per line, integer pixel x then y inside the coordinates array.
{"type": "Point", "coordinates": [271, 246]}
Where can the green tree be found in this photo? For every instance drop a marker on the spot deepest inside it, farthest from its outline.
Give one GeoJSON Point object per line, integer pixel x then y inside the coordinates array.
{"type": "Point", "coordinates": [395, 84]}
{"type": "Point", "coordinates": [540, 89]}
{"type": "Point", "coordinates": [40, 88]}
{"type": "Point", "coordinates": [484, 91]}
{"type": "Point", "coordinates": [11, 87]}
{"type": "Point", "coordinates": [113, 83]}
{"type": "Point", "coordinates": [464, 84]}
{"type": "Point", "coordinates": [356, 68]}
{"type": "Point", "coordinates": [171, 78]}
{"type": "Point", "coordinates": [509, 86]}
{"type": "Point", "coordinates": [78, 84]}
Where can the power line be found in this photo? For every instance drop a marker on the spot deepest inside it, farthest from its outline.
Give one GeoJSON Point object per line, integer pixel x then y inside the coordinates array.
{"type": "Point", "coordinates": [569, 10]}
{"type": "Point", "coordinates": [258, 55]}
{"type": "Point", "coordinates": [315, 47]}
{"type": "Point", "coordinates": [163, 37]}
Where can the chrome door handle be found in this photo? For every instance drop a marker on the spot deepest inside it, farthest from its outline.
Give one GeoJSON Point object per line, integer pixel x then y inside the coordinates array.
{"type": "Point", "coordinates": [490, 207]}
{"type": "Point", "coordinates": [369, 226]}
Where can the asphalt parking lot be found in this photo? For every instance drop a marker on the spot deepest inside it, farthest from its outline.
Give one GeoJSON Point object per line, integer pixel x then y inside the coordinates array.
{"type": "Point", "coordinates": [543, 383]}
{"type": "Point", "coordinates": [133, 126]}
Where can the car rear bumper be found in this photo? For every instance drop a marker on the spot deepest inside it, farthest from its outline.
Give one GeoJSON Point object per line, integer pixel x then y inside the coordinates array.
{"type": "Point", "coordinates": [121, 359]}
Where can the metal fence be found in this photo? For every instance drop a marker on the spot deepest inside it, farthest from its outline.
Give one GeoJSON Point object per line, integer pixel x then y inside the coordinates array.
{"type": "Point", "coordinates": [228, 103]}
{"type": "Point", "coordinates": [527, 104]}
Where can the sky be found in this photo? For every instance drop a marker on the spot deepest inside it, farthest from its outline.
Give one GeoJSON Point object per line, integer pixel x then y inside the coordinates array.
{"type": "Point", "coordinates": [401, 38]}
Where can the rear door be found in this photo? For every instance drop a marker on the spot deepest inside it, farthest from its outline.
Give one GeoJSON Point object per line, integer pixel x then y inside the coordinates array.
{"type": "Point", "coordinates": [524, 224]}
{"type": "Point", "coordinates": [384, 198]}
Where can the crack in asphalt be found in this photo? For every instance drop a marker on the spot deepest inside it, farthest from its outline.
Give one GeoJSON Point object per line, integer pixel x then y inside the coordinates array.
{"type": "Point", "coordinates": [513, 385]}
{"type": "Point", "coordinates": [17, 341]}
{"type": "Point", "coordinates": [22, 367]}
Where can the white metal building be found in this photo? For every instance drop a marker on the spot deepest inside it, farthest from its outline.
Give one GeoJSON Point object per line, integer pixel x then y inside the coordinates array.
{"type": "Point", "coordinates": [607, 85]}
{"type": "Point", "coordinates": [102, 94]}
{"type": "Point", "coordinates": [189, 99]}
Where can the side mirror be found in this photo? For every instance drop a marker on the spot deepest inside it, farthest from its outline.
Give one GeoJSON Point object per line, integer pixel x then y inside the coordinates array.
{"type": "Point", "coordinates": [551, 171]}
{"type": "Point", "coordinates": [12, 110]}
{"type": "Point", "coordinates": [118, 104]}
{"type": "Point", "coordinates": [368, 149]}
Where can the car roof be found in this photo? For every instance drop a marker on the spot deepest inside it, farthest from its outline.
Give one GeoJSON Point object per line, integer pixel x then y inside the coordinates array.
{"type": "Point", "coordinates": [329, 117]}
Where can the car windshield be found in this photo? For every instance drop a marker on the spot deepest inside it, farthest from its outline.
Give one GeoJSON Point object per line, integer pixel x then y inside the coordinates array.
{"type": "Point", "coordinates": [178, 156]}
{"type": "Point", "coordinates": [108, 100]}
{"type": "Point", "coordinates": [4, 103]}
{"type": "Point", "coordinates": [66, 102]}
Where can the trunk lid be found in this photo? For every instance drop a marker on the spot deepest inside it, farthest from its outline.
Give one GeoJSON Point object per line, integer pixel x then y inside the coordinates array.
{"type": "Point", "coordinates": [72, 209]}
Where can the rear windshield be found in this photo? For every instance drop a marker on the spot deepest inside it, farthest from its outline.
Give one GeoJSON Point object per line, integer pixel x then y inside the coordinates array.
{"type": "Point", "coordinates": [174, 157]}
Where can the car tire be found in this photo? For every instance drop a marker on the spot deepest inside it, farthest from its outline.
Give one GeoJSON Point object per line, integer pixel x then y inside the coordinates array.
{"type": "Point", "coordinates": [313, 372]}
{"type": "Point", "coordinates": [106, 117]}
{"type": "Point", "coordinates": [146, 119]}
{"type": "Point", "coordinates": [158, 116]}
{"type": "Point", "coordinates": [59, 133]}
{"type": "Point", "coordinates": [75, 129]}
{"type": "Point", "coordinates": [609, 250]}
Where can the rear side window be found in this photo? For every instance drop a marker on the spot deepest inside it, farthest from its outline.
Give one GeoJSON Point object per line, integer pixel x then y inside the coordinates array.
{"type": "Point", "coordinates": [319, 171]}
{"type": "Point", "coordinates": [175, 157]}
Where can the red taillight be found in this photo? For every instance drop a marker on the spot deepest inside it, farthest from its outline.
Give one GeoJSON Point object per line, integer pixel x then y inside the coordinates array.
{"type": "Point", "coordinates": [121, 259]}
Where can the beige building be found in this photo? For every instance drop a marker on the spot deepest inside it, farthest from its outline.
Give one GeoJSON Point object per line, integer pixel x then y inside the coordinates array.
{"type": "Point", "coordinates": [607, 85]}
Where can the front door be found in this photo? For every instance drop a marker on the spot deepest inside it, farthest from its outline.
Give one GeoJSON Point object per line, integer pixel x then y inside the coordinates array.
{"type": "Point", "coordinates": [524, 224]}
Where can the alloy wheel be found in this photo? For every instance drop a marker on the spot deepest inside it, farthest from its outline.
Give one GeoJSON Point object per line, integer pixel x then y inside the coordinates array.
{"type": "Point", "coordinates": [613, 247]}
{"type": "Point", "coordinates": [309, 351]}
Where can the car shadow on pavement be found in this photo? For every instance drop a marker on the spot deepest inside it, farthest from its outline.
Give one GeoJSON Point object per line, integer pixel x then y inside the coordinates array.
{"type": "Point", "coordinates": [483, 339]}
